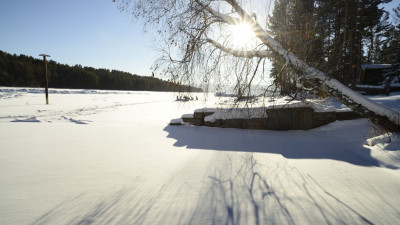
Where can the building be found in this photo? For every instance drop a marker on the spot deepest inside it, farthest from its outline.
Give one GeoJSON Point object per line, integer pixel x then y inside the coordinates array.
{"type": "Point", "coordinates": [373, 74]}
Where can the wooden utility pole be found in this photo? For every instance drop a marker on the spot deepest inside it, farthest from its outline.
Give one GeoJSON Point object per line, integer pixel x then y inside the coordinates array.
{"type": "Point", "coordinates": [47, 77]}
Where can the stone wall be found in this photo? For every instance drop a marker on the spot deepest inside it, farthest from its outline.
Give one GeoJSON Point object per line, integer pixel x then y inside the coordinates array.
{"type": "Point", "coordinates": [303, 118]}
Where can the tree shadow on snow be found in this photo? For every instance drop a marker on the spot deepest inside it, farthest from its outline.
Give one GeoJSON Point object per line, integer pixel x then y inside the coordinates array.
{"type": "Point", "coordinates": [342, 141]}
{"type": "Point", "coordinates": [237, 190]}
{"type": "Point", "coordinates": [241, 192]}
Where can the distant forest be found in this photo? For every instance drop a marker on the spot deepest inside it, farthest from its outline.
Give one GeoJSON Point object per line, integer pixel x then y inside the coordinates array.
{"type": "Point", "coordinates": [26, 71]}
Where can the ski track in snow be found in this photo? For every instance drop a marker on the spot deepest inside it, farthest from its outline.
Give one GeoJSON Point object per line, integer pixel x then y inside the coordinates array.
{"type": "Point", "coordinates": [127, 166]}
{"type": "Point", "coordinates": [67, 115]}
{"type": "Point", "coordinates": [53, 115]}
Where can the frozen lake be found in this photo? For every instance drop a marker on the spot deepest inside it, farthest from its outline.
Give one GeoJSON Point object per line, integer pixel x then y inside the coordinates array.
{"type": "Point", "coordinates": [110, 157]}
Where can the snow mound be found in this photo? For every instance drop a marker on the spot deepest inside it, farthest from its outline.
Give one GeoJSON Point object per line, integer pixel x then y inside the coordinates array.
{"type": "Point", "coordinates": [386, 150]}
{"type": "Point", "coordinates": [381, 139]}
{"type": "Point", "coordinates": [178, 121]}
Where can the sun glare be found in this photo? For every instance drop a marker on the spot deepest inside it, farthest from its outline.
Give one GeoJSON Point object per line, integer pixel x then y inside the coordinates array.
{"type": "Point", "coordinates": [241, 34]}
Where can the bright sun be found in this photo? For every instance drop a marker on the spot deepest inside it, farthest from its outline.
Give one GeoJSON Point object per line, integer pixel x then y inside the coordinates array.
{"type": "Point", "coordinates": [241, 34]}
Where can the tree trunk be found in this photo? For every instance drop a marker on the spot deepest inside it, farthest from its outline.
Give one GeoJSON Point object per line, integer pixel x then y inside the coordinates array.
{"type": "Point", "coordinates": [383, 116]}
{"type": "Point", "coordinates": [382, 121]}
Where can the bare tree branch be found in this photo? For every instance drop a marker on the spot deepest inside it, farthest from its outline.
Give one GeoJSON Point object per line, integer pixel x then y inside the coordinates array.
{"type": "Point", "coordinates": [223, 17]}
{"type": "Point", "coordinates": [239, 53]}
{"type": "Point", "coordinates": [188, 25]}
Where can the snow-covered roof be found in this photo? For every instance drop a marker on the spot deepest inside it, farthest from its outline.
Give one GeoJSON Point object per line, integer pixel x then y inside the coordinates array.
{"type": "Point", "coordinates": [375, 66]}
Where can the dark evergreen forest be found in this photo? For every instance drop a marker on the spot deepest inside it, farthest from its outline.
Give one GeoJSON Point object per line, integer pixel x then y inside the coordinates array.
{"type": "Point", "coordinates": [26, 71]}
{"type": "Point", "coordinates": [336, 37]}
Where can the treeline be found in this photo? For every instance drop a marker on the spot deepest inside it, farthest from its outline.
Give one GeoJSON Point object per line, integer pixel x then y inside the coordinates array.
{"type": "Point", "coordinates": [26, 71]}
{"type": "Point", "coordinates": [336, 37]}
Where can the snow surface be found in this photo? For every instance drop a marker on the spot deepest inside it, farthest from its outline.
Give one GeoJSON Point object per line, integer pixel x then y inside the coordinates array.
{"type": "Point", "coordinates": [109, 157]}
{"type": "Point", "coordinates": [370, 86]}
{"type": "Point", "coordinates": [377, 86]}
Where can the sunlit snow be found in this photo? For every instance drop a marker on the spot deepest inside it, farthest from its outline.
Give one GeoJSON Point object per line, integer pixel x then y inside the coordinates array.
{"type": "Point", "coordinates": [110, 157]}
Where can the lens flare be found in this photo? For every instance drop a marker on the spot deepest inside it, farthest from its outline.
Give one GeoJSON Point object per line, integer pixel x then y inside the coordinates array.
{"type": "Point", "coordinates": [241, 34]}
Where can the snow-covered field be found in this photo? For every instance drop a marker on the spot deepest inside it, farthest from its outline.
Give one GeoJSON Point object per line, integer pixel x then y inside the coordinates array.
{"type": "Point", "coordinates": [109, 157]}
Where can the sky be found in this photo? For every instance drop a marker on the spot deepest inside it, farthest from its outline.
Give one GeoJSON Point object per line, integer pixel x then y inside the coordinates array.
{"type": "Point", "coordinates": [87, 32]}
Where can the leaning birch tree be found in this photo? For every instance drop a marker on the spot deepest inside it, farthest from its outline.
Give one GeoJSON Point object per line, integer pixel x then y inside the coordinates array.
{"type": "Point", "coordinates": [226, 42]}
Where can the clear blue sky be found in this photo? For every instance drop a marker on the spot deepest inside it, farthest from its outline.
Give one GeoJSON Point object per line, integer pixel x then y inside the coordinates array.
{"type": "Point", "coordinates": [87, 32]}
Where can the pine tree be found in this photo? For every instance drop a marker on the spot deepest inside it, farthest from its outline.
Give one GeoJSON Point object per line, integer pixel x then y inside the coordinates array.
{"type": "Point", "coordinates": [279, 25]}
{"type": "Point", "coordinates": [375, 39]}
{"type": "Point", "coordinates": [292, 24]}
{"type": "Point", "coordinates": [347, 28]}
{"type": "Point", "coordinates": [393, 74]}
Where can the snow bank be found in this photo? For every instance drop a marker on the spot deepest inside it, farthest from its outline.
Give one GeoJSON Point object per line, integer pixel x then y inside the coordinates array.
{"type": "Point", "coordinates": [329, 105]}
{"type": "Point", "coordinates": [381, 139]}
